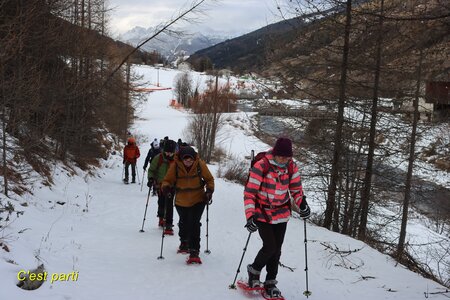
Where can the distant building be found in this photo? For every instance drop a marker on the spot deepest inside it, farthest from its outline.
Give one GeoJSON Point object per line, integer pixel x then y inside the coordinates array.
{"type": "Point", "coordinates": [435, 105]}
{"type": "Point", "coordinates": [437, 93]}
{"type": "Point", "coordinates": [184, 66]}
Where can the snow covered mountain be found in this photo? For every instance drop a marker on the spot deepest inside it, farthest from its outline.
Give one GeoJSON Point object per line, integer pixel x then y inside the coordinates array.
{"type": "Point", "coordinates": [175, 45]}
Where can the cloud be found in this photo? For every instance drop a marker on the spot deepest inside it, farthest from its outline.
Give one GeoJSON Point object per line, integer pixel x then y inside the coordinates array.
{"type": "Point", "coordinates": [226, 15]}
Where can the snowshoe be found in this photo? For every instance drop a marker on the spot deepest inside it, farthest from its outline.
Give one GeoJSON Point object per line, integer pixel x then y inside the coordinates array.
{"type": "Point", "coordinates": [265, 296]}
{"type": "Point", "coordinates": [133, 181]}
{"type": "Point", "coordinates": [257, 291]}
{"type": "Point", "coordinates": [168, 231]}
{"type": "Point", "coordinates": [125, 181]}
{"type": "Point", "coordinates": [193, 258]}
{"type": "Point", "coordinates": [245, 287]}
{"type": "Point", "coordinates": [250, 292]}
{"type": "Point", "coordinates": [161, 222]}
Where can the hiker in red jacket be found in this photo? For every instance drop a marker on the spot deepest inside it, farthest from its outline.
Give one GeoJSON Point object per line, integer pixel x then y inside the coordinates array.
{"type": "Point", "coordinates": [130, 155]}
{"type": "Point", "coordinates": [272, 180]}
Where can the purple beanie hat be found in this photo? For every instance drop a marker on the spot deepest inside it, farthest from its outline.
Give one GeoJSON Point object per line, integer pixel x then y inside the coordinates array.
{"type": "Point", "coordinates": [283, 147]}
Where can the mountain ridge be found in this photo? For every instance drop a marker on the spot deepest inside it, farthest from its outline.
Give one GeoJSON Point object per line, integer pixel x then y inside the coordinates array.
{"type": "Point", "coordinates": [176, 43]}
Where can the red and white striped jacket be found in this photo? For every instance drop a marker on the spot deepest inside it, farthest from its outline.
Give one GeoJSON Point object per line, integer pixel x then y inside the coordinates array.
{"type": "Point", "coordinates": [266, 197]}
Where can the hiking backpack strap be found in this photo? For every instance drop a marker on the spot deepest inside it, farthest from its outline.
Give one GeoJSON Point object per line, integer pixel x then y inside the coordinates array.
{"type": "Point", "coordinates": [266, 168]}
{"type": "Point", "coordinates": [199, 175]}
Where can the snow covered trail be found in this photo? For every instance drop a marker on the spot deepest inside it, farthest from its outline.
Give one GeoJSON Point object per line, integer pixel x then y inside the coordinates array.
{"type": "Point", "coordinates": [96, 233]}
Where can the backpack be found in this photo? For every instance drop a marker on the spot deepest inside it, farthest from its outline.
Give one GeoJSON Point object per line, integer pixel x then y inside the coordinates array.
{"type": "Point", "coordinates": [199, 171]}
{"type": "Point", "coordinates": [130, 152]}
{"type": "Point", "coordinates": [199, 175]}
{"type": "Point", "coordinates": [160, 161]}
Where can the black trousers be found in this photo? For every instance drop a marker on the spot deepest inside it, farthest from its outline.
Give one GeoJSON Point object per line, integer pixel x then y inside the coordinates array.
{"type": "Point", "coordinates": [268, 256]}
{"type": "Point", "coordinates": [189, 224]}
{"type": "Point", "coordinates": [133, 171]}
{"type": "Point", "coordinates": [165, 208]}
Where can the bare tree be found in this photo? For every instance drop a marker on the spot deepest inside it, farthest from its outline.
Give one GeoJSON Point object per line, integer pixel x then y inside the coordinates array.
{"type": "Point", "coordinates": [207, 121]}
{"type": "Point", "coordinates": [412, 148]}
{"type": "Point", "coordinates": [365, 196]}
{"type": "Point", "coordinates": [183, 88]}
{"type": "Point", "coordinates": [334, 176]}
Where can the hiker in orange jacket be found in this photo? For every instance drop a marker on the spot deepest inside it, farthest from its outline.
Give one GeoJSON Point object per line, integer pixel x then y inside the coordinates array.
{"type": "Point", "coordinates": [193, 185]}
{"type": "Point", "coordinates": [130, 155]}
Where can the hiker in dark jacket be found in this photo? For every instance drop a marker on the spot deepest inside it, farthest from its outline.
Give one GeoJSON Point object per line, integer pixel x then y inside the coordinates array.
{"type": "Point", "coordinates": [156, 172]}
{"type": "Point", "coordinates": [154, 150]}
{"type": "Point", "coordinates": [193, 184]}
{"type": "Point", "coordinates": [130, 155]}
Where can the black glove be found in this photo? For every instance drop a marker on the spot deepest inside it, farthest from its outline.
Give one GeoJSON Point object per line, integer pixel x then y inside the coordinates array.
{"type": "Point", "coordinates": [208, 196]}
{"type": "Point", "coordinates": [305, 212]}
{"type": "Point", "coordinates": [123, 162]}
{"type": "Point", "coordinates": [251, 226]}
{"type": "Point", "coordinates": [167, 192]}
{"type": "Point", "coordinates": [150, 182]}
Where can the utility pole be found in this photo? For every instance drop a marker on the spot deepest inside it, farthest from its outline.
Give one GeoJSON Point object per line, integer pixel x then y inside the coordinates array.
{"type": "Point", "coordinates": [157, 76]}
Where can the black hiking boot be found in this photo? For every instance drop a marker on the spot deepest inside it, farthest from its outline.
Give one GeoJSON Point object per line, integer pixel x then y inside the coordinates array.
{"type": "Point", "coordinates": [253, 277]}
{"type": "Point", "coordinates": [183, 248]}
{"type": "Point", "coordinates": [271, 289]}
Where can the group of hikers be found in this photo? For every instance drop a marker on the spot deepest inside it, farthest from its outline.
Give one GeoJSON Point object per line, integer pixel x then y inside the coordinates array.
{"type": "Point", "coordinates": [180, 178]}
{"type": "Point", "coordinates": [177, 175]}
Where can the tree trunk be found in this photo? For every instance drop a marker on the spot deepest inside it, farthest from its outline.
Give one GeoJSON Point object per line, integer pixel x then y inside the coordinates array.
{"type": "Point", "coordinates": [412, 146]}
{"type": "Point", "coordinates": [331, 200]}
{"type": "Point", "coordinates": [5, 166]}
{"type": "Point", "coordinates": [365, 197]}
{"type": "Point", "coordinates": [127, 99]}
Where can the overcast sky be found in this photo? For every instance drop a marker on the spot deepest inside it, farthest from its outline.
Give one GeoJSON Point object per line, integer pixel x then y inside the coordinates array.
{"type": "Point", "coordinates": [223, 15]}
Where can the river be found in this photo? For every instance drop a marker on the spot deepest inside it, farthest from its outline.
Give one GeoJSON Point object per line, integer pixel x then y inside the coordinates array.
{"type": "Point", "coordinates": [427, 196]}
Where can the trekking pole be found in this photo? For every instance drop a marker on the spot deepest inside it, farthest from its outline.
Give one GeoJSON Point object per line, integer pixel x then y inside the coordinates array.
{"type": "Point", "coordinates": [207, 251]}
{"type": "Point", "coordinates": [143, 175]}
{"type": "Point", "coordinates": [137, 173]}
{"type": "Point", "coordinates": [233, 285]}
{"type": "Point", "coordinates": [307, 292]}
{"type": "Point", "coordinates": [145, 213]}
{"type": "Point", "coordinates": [163, 235]}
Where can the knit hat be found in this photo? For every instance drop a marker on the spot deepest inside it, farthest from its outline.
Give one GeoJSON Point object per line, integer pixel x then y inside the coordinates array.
{"type": "Point", "coordinates": [283, 147]}
{"type": "Point", "coordinates": [170, 146]}
{"type": "Point", "coordinates": [187, 151]}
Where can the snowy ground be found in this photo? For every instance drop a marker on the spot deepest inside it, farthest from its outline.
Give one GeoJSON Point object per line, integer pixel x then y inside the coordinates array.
{"type": "Point", "coordinates": [96, 233]}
